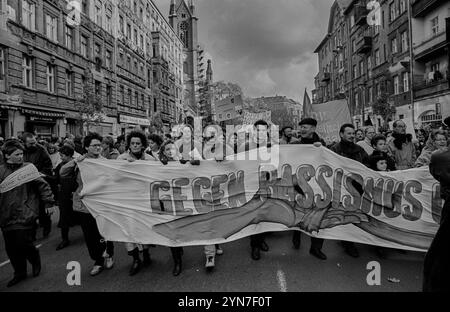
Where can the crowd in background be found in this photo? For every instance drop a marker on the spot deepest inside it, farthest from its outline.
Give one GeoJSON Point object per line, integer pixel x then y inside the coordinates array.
{"type": "Point", "coordinates": [56, 160]}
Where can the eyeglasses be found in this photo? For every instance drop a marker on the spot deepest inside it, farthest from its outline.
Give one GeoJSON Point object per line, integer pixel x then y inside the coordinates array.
{"type": "Point", "coordinates": [95, 145]}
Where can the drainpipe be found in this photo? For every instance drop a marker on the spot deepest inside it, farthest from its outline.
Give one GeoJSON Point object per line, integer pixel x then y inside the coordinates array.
{"type": "Point", "coordinates": [411, 62]}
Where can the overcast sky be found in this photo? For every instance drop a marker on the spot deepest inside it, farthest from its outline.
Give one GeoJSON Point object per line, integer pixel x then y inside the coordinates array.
{"type": "Point", "coordinates": [266, 46]}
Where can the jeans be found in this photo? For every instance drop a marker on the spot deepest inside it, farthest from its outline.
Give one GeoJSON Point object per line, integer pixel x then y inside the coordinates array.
{"type": "Point", "coordinates": [95, 243]}
{"type": "Point", "coordinates": [20, 248]}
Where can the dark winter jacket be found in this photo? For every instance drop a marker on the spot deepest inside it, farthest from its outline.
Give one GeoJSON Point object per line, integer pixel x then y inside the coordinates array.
{"type": "Point", "coordinates": [315, 138]}
{"type": "Point", "coordinates": [390, 161]}
{"type": "Point", "coordinates": [352, 151]}
{"type": "Point", "coordinates": [440, 170]}
{"type": "Point", "coordinates": [40, 158]}
{"type": "Point", "coordinates": [19, 207]}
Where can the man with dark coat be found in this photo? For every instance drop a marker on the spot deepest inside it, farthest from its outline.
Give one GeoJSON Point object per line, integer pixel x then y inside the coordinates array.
{"type": "Point", "coordinates": [258, 139]}
{"type": "Point", "coordinates": [347, 148]}
{"type": "Point", "coordinates": [37, 155]}
{"type": "Point", "coordinates": [436, 271]}
{"type": "Point", "coordinates": [308, 135]}
{"type": "Point", "coordinates": [19, 208]}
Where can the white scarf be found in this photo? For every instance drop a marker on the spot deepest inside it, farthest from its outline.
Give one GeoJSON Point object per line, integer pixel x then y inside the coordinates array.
{"type": "Point", "coordinates": [19, 177]}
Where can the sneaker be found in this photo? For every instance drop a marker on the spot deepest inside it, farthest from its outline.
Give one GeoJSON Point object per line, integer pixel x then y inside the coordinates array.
{"type": "Point", "coordinates": [209, 263]}
{"type": "Point", "coordinates": [96, 270]}
{"type": "Point", "coordinates": [219, 251]}
{"type": "Point", "coordinates": [109, 263]}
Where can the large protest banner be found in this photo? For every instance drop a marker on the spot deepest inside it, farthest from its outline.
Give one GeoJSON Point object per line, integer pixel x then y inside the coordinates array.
{"type": "Point", "coordinates": [330, 116]}
{"type": "Point", "coordinates": [312, 189]}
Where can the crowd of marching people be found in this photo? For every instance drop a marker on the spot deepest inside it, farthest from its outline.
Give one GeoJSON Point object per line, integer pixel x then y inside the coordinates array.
{"type": "Point", "coordinates": [53, 180]}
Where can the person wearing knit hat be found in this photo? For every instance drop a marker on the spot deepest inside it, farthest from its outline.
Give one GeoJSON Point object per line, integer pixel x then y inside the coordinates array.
{"type": "Point", "coordinates": [308, 121]}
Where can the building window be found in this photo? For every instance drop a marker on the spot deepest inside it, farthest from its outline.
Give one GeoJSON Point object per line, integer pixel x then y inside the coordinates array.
{"type": "Point", "coordinates": [136, 99]}
{"type": "Point", "coordinates": [355, 72]}
{"type": "Point", "coordinates": [121, 29]}
{"type": "Point", "coordinates": [142, 101]}
{"type": "Point", "coordinates": [404, 37]}
{"type": "Point", "coordinates": [108, 59]}
{"type": "Point", "coordinates": [405, 82]}
{"type": "Point", "coordinates": [51, 69]}
{"type": "Point", "coordinates": [27, 71]}
{"type": "Point", "coordinates": [28, 15]}
{"type": "Point", "coordinates": [155, 105]}
{"type": "Point", "coordinates": [84, 46]}
{"type": "Point", "coordinates": [438, 109]}
{"type": "Point", "coordinates": [108, 20]}
{"type": "Point", "coordinates": [98, 88]}
{"type": "Point", "coordinates": [51, 29]}
{"type": "Point", "coordinates": [370, 90]}
{"type": "Point", "coordinates": [435, 26]}
{"type": "Point", "coordinates": [393, 11]}
{"type": "Point", "coordinates": [108, 96]}
{"type": "Point", "coordinates": [377, 57]}
{"type": "Point", "coordinates": [128, 31]}
{"type": "Point", "coordinates": [394, 45]}
{"type": "Point", "coordinates": [98, 50]}
{"type": "Point", "coordinates": [141, 43]}
{"type": "Point", "coordinates": [129, 97]}
{"type": "Point", "coordinates": [122, 95]}
{"type": "Point", "coordinates": [135, 37]}
{"type": "Point", "coordinates": [98, 13]}
{"type": "Point", "coordinates": [353, 45]}
{"type": "Point", "coordinates": [84, 7]}
{"type": "Point", "coordinates": [69, 37]}
{"type": "Point", "coordinates": [361, 68]}
{"type": "Point", "coordinates": [128, 62]}
{"type": "Point", "coordinates": [402, 6]}
{"type": "Point", "coordinates": [396, 85]}
{"type": "Point", "coordinates": [69, 83]}
{"type": "Point", "coordinates": [2, 70]}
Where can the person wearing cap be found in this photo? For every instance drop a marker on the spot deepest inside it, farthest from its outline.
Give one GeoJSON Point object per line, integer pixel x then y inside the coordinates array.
{"type": "Point", "coordinates": [286, 136]}
{"type": "Point", "coordinates": [308, 135]}
{"type": "Point", "coordinates": [436, 271]}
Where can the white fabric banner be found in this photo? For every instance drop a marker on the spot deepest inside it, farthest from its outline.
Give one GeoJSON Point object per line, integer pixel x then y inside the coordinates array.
{"type": "Point", "coordinates": [313, 190]}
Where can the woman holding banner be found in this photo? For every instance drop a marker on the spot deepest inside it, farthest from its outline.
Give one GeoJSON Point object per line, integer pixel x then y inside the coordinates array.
{"type": "Point", "coordinates": [136, 145]}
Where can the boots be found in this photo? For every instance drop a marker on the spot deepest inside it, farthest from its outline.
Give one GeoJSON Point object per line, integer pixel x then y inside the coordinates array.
{"type": "Point", "coordinates": [35, 261]}
{"type": "Point", "coordinates": [176, 254]}
{"type": "Point", "coordinates": [146, 256]}
{"type": "Point", "coordinates": [137, 263]}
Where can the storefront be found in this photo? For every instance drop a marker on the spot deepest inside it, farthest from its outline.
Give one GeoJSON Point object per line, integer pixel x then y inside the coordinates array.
{"type": "Point", "coordinates": [3, 122]}
{"type": "Point", "coordinates": [106, 126]}
{"type": "Point", "coordinates": [129, 123]}
{"type": "Point", "coordinates": [43, 123]}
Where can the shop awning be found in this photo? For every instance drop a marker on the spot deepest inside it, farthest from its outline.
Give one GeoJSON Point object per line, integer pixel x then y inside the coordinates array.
{"type": "Point", "coordinates": [39, 113]}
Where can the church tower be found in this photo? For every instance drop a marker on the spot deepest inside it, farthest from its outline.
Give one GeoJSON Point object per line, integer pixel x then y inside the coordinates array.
{"type": "Point", "coordinates": [183, 20]}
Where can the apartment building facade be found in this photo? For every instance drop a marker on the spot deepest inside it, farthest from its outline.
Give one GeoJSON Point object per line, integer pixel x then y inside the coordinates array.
{"type": "Point", "coordinates": [372, 53]}
{"type": "Point", "coordinates": [47, 56]}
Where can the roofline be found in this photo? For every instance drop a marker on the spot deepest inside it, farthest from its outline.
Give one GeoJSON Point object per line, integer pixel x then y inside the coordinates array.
{"type": "Point", "coordinates": [350, 6]}
{"type": "Point", "coordinates": [322, 43]}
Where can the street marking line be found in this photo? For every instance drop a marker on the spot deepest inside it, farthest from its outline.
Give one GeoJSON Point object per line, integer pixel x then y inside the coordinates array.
{"type": "Point", "coordinates": [7, 261]}
{"type": "Point", "coordinates": [281, 278]}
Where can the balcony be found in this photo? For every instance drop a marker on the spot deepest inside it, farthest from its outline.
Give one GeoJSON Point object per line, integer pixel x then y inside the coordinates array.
{"type": "Point", "coordinates": [361, 13]}
{"type": "Point", "coordinates": [326, 77]}
{"type": "Point", "coordinates": [420, 8]}
{"type": "Point", "coordinates": [430, 47]}
{"type": "Point", "coordinates": [430, 87]}
{"type": "Point", "coordinates": [364, 45]}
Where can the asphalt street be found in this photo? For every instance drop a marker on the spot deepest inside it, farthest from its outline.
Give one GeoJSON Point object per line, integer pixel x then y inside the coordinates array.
{"type": "Point", "coordinates": [280, 269]}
